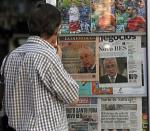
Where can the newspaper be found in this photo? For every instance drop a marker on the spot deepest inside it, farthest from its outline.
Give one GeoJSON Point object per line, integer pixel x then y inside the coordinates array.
{"type": "Point", "coordinates": [94, 88]}
{"type": "Point", "coordinates": [121, 114]}
{"type": "Point", "coordinates": [80, 57]}
{"type": "Point", "coordinates": [124, 50]}
{"type": "Point", "coordinates": [132, 90]}
{"type": "Point", "coordinates": [126, 91]}
{"type": "Point", "coordinates": [95, 16]}
{"type": "Point", "coordinates": [84, 117]}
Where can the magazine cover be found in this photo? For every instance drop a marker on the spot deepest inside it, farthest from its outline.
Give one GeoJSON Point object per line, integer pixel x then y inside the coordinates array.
{"type": "Point", "coordinates": [101, 91]}
{"type": "Point", "coordinates": [75, 16]}
{"type": "Point", "coordinates": [102, 16]}
{"type": "Point", "coordinates": [80, 57]}
{"type": "Point", "coordinates": [130, 15]}
{"type": "Point", "coordinates": [94, 16]}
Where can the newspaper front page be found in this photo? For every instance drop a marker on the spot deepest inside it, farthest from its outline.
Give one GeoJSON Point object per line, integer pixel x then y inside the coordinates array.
{"type": "Point", "coordinates": [126, 91]}
{"type": "Point", "coordinates": [121, 114]}
{"type": "Point", "coordinates": [120, 54]}
{"type": "Point", "coordinates": [83, 117]}
{"type": "Point", "coordinates": [80, 57]}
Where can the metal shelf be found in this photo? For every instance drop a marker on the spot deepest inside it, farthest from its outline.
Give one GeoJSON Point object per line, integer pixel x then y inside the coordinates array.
{"type": "Point", "coordinates": [105, 34]}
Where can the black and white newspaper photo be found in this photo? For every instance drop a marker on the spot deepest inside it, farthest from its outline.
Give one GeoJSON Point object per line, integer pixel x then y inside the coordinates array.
{"type": "Point", "coordinates": [120, 61]}
{"type": "Point", "coordinates": [80, 57]}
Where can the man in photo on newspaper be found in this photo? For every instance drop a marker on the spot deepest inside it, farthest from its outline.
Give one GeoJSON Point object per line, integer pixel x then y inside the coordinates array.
{"type": "Point", "coordinates": [87, 59]}
{"type": "Point", "coordinates": [111, 72]}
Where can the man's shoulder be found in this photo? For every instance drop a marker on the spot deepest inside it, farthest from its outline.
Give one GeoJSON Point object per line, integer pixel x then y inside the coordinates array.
{"type": "Point", "coordinates": [83, 70]}
{"type": "Point", "coordinates": [104, 79]}
{"type": "Point", "coordinates": [104, 76]}
{"type": "Point", "coordinates": [35, 52]}
{"type": "Point", "coordinates": [121, 77]}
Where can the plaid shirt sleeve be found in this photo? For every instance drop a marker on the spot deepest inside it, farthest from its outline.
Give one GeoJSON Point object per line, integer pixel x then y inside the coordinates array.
{"type": "Point", "coordinates": [59, 82]}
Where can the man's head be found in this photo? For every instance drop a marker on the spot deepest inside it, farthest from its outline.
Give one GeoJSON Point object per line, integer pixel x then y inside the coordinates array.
{"type": "Point", "coordinates": [87, 57]}
{"type": "Point", "coordinates": [44, 20]}
{"type": "Point", "coordinates": [110, 66]}
{"type": "Point", "coordinates": [132, 11]}
{"type": "Point", "coordinates": [73, 4]}
{"type": "Point", "coordinates": [141, 3]}
{"type": "Point", "coordinates": [120, 5]}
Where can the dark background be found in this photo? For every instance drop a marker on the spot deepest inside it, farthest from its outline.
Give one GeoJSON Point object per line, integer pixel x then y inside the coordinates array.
{"type": "Point", "coordinates": [13, 17]}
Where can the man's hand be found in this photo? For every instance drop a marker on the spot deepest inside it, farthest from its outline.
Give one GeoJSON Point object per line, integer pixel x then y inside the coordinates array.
{"type": "Point", "coordinates": [75, 103]}
{"type": "Point", "coordinates": [58, 50]}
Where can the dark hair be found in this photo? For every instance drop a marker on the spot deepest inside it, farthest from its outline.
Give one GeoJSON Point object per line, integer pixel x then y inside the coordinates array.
{"type": "Point", "coordinates": [44, 19]}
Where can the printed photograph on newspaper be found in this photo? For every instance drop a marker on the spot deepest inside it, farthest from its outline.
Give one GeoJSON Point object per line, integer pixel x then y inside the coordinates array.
{"type": "Point", "coordinates": [75, 16]}
{"type": "Point", "coordinates": [84, 117]}
{"type": "Point", "coordinates": [102, 17]}
{"type": "Point", "coordinates": [80, 57]}
{"type": "Point", "coordinates": [94, 16]}
{"type": "Point", "coordinates": [121, 113]}
{"type": "Point", "coordinates": [120, 61]}
{"type": "Point", "coordinates": [130, 15]}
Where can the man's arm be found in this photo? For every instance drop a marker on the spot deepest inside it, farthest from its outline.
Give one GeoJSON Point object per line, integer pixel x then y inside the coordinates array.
{"type": "Point", "coordinates": [60, 83]}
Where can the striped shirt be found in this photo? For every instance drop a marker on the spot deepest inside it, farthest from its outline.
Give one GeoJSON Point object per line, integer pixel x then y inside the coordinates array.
{"type": "Point", "coordinates": [37, 88]}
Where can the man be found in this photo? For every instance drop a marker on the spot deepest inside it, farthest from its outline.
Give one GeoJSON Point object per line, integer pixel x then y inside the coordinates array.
{"type": "Point", "coordinates": [121, 16]}
{"type": "Point", "coordinates": [84, 11]}
{"type": "Point", "coordinates": [106, 20]}
{"type": "Point", "coordinates": [74, 17]}
{"type": "Point", "coordinates": [141, 8]}
{"type": "Point", "coordinates": [37, 87]}
{"type": "Point", "coordinates": [135, 22]}
{"type": "Point", "coordinates": [111, 72]}
{"type": "Point", "coordinates": [87, 58]}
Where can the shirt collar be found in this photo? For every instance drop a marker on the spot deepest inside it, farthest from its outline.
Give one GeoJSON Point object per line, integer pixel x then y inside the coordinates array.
{"type": "Point", "coordinates": [113, 76]}
{"type": "Point", "coordinates": [39, 40]}
{"type": "Point", "coordinates": [93, 66]}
